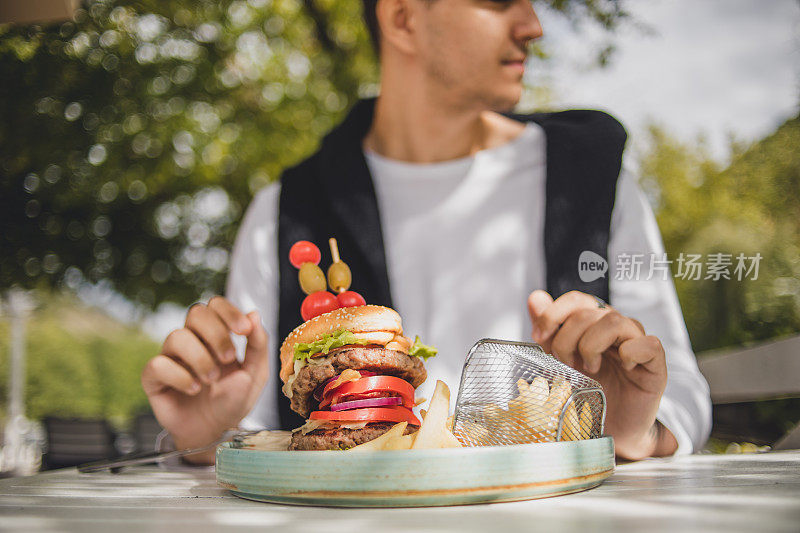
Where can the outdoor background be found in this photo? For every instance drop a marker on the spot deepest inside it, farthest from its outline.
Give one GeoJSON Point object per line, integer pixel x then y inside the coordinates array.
{"type": "Point", "coordinates": [133, 138]}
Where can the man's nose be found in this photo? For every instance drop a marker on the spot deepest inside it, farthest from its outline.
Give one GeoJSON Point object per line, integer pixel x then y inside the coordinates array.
{"type": "Point", "coordinates": [527, 27]}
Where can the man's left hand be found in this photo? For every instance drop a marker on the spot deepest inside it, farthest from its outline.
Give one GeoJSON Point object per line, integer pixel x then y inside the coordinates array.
{"type": "Point", "coordinates": [596, 340]}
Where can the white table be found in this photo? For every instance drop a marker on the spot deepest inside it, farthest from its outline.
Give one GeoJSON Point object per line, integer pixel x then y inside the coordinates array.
{"type": "Point", "coordinates": [698, 493]}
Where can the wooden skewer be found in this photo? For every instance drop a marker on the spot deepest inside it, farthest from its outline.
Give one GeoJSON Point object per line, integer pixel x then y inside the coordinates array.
{"type": "Point", "coordinates": [334, 249]}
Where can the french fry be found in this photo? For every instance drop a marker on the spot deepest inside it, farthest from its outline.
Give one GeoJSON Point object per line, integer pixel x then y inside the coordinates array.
{"type": "Point", "coordinates": [475, 433]}
{"type": "Point", "coordinates": [450, 440]}
{"type": "Point", "coordinates": [403, 442]}
{"type": "Point", "coordinates": [539, 388]}
{"type": "Point", "coordinates": [535, 414]}
{"type": "Point", "coordinates": [380, 443]}
{"type": "Point", "coordinates": [492, 410]}
{"type": "Point", "coordinates": [433, 432]}
{"type": "Point", "coordinates": [586, 421]}
{"type": "Point", "coordinates": [560, 391]}
{"type": "Point", "coordinates": [570, 429]}
{"type": "Point", "coordinates": [268, 440]}
{"type": "Point", "coordinates": [559, 394]}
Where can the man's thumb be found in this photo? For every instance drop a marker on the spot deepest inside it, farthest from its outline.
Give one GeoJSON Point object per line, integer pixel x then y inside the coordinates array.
{"type": "Point", "coordinates": [255, 355]}
{"type": "Point", "coordinates": [538, 301]}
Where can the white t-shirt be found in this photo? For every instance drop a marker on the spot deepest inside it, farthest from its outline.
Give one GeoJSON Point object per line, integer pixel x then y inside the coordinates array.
{"type": "Point", "coordinates": [464, 246]}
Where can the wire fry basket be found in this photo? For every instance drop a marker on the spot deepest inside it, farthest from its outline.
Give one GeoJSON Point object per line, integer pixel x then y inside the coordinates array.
{"type": "Point", "coordinates": [515, 393]}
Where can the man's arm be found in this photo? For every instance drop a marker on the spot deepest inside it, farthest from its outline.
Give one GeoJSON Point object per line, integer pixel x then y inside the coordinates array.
{"type": "Point", "coordinates": [685, 408]}
{"type": "Point", "coordinates": [633, 347]}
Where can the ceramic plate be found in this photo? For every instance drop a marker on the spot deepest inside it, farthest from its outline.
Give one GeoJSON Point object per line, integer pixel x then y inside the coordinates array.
{"type": "Point", "coordinates": [415, 478]}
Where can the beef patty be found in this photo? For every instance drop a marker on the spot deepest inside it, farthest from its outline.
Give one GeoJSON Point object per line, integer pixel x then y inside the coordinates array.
{"type": "Point", "coordinates": [374, 358]}
{"type": "Point", "coordinates": [341, 438]}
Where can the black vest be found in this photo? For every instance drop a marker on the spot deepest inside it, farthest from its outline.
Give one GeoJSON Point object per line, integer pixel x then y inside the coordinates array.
{"type": "Point", "coordinates": [331, 194]}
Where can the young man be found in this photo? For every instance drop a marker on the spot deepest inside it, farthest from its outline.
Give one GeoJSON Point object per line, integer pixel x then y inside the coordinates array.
{"type": "Point", "coordinates": [452, 213]}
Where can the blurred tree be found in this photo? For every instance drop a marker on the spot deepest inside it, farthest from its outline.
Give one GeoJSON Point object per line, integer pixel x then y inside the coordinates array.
{"type": "Point", "coordinates": [751, 207]}
{"type": "Point", "coordinates": [132, 137]}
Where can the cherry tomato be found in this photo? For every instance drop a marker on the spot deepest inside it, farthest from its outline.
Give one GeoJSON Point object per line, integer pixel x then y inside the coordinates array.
{"type": "Point", "coordinates": [318, 303]}
{"type": "Point", "coordinates": [395, 413]}
{"type": "Point", "coordinates": [304, 252]}
{"type": "Point", "coordinates": [350, 299]}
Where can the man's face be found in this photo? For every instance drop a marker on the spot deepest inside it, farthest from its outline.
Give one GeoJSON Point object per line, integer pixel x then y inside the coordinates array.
{"type": "Point", "coordinates": [472, 52]}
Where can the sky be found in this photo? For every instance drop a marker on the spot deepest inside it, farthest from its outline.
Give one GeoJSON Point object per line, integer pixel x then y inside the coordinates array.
{"type": "Point", "coordinates": [711, 66]}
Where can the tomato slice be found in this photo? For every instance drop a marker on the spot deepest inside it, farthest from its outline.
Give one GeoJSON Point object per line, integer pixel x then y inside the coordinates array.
{"type": "Point", "coordinates": [369, 414]}
{"type": "Point", "coordinates": [369, 385]}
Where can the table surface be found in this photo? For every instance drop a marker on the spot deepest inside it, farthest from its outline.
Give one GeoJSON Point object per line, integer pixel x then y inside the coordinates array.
{"type": "Point", "coordinates": [693, 493]}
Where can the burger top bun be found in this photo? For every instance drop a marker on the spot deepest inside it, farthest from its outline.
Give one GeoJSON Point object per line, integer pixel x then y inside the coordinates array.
{"type": "Point", "coordinates": [373, 323]}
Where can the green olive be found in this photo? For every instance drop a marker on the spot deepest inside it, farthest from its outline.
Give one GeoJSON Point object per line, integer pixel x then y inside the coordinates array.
{"type": "Point", "coordinates": [311, 278]}
{"type": "Point", "coordinates": [339, 277]}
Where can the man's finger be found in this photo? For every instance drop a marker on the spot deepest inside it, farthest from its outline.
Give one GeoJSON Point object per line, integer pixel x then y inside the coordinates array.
{"type": "Point", "coordinates": [639, 325]}
{"type": "Point", "coordinates": [163, 372]}
{"type": "Point", "coordinates": [610, 331]}
{"type": "Point", "coordinates": [255, 355]}
{"type": "Point", "coordinates": [183, 346]}
{"type": "Point", "coordinates": [230, 315]}
{"type": "Point", "coordinates": [646, 351]}
{"type": "Point", "coordinates": [565, 341]}
{"type": "Point", "coordinates": [210, 328]}
{"type": "Point", "coordinates": [551, 318]}
{"type": "Point", "coordinates": [538, 301]}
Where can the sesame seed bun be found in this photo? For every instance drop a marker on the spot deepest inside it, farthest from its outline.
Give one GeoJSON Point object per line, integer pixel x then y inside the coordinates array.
{"type": "Point", "coordinates": [375, 324]}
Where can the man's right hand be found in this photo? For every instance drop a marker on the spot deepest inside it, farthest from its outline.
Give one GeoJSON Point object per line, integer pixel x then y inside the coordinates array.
{"type": "Point", "coordinates": [196, 387]}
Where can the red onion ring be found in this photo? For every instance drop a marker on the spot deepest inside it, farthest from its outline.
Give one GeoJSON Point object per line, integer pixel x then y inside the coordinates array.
{"type": "Point", "coordinates": [369, 402]}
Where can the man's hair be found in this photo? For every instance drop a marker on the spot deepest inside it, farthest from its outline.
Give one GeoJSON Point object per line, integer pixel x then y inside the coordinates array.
{"type": "Point", "coordinates": [371, 20]}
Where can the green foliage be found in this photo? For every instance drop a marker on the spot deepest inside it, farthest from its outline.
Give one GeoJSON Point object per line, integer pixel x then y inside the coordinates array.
{"type": "Point", "coordinates": [79, 363]}
{"type": "Point", "coordinates": [132, 137]}
{"type": "Point", "coordinates": [751, 207]}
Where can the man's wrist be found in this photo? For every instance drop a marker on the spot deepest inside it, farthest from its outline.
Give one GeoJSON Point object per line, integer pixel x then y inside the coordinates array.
{"type": "Point", "coordinates": [657, 441]}
{"type": "Point", "coordinates": [665, 442]}
{"type": "Point", "coordinates": [205, 457]}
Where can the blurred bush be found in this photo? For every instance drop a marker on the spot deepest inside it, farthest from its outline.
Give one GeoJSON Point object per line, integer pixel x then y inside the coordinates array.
{"type": "Point", "coordinates": [79, 362]}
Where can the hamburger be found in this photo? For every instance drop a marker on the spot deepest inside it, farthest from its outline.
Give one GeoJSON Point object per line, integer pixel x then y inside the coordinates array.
{"type": "Point", "coordinates": [352, 373]}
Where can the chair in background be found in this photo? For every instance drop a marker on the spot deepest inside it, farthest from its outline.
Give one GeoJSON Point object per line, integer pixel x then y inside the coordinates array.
{"type": "Point", "coordinates": [145, 430]}
{"type": "Point", "coordinates": [765, 372]}
{"type": "Point", "coordinates": [72, 441]}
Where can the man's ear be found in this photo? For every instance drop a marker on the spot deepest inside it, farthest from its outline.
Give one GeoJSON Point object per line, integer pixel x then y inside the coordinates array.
{"type": "Point", "coordinates": [397, 22]}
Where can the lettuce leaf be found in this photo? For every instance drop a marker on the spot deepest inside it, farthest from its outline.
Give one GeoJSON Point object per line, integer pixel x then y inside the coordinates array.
{"type": "Point", "coordinates": [329, 341]}
{"type": "Point", "coordinates": [422, 350]}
